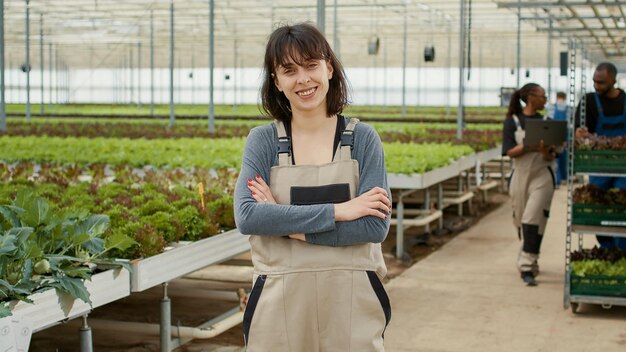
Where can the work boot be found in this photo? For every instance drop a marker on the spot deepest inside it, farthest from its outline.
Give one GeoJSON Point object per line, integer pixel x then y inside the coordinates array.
{"type": "Point", "coordinates": [529, 278]}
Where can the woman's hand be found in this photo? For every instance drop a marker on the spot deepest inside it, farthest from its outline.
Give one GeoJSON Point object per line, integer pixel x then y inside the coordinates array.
{"type": "Point", "coordinates": [370, 203]}
{"type": "Point", "coordinates": [547, 151]}
{"type": "Point", "coordinates": [261, 192]}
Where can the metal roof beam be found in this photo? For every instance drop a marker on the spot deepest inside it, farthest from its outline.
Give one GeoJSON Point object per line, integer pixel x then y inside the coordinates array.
{"type": "Point", "coordinates": [515, 5]}
{"type": "Point", "coordinates": [571, 29]}
{"type": "Point", "coordinates": [567, 18]}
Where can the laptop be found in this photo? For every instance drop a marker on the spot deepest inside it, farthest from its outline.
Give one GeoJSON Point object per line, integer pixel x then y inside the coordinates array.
{"type": "Point", "coordinates": [552, 132]}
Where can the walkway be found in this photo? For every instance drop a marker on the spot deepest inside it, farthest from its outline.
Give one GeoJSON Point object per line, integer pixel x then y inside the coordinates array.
{"type": "Point", "coordinates": [468, 296]}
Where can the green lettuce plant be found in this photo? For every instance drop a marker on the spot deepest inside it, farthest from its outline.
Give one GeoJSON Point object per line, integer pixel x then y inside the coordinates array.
{"type": "Point", "coordinates": [42, 248]}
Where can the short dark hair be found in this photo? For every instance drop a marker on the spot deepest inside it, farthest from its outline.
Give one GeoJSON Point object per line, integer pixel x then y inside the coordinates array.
{"type": "Point", "coordinates": [608, 67]}
{"type": "Point", "coordinates": [561, 95]}
{"type": "Point", "coordinates": [515, 107]}
{"type": "Point", "coordinates": [299, 43]}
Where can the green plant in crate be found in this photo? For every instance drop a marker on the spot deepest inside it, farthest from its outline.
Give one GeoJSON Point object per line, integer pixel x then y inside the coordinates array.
{"type": "Point", "coordinates": [42, 248]}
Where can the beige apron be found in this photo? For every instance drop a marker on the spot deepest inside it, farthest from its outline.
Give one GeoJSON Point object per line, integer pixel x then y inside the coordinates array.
{"type": "Point", "coordinates": [531, 190]}
{"type": "Point", "coordinates": [309, 297]}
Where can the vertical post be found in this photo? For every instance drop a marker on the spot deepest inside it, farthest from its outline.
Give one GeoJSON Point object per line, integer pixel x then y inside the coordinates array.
{"type": "Point", "coordinates": [27, 64]}
{"type": "Point", "coordinates": [3, 111]}
{"type": "Point", "coordinates": [461, 108]}
{"type": "Point", "coordinates": [399, 228]}
{"type": "Point", "coordinates": [385, 76]}
{"type": "Point", "coordinates": [50, 69]}
{"type": "Point", "coordinates": [211, 64]}
{"type": "Point", "coordinates": [550, 59]}
{"type": "Point", "coordinates": [172, 118]}
{"type": "Point", "coordinates": [418, 85]}
{"type": "Point", "coordinates": [151, 62]}
{"type": "Point", "coordinates": [448, 75]}
{"type": "Point", "coordinates": [139, 76]}
{"type": "Point", "coordinates": [193, 67]}
{"type": "Point", "coordinates": [235, 75]}
{"type": "Point", "coordinates": [131, 74]}
{"type": "Point", "coordinates": [321, 15]}
{"type": "Point", "coordinates": [86, 344]}
{"type": "Point", "coordinates": [404, 35]}
{"type": "Point", "coordinates": [41, 60]}
{"type": "Point", "coordinates": [91, 73]}
{"type": "Point", "coordinates": [166, 318]}
{"type": "Point", "coordinates": [481, 72]}
{"type": "Point", "coordinates": [57, 65]}
{"type": "Point", "coordinates": [335, 33]}
{"type": "Point", "coordinates": [519, 34]}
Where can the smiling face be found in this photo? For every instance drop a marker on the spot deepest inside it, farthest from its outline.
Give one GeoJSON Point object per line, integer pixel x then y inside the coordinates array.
{"type": "Point", "coordinates": [305, 84]}
{"type": "Point", "coordinates": [603, 82]}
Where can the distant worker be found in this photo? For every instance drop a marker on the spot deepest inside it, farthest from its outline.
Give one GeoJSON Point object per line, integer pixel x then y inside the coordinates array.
{"type": "Point", "coordinates": [532, 181]}
{"type": "Point", "coordinates": [605, 115]}
{"type": "Point", "coordinates": [560, 111]}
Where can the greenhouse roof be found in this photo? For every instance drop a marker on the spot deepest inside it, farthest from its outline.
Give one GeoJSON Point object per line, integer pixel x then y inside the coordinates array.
{"type": "Point", "coordinates": [109, 33]}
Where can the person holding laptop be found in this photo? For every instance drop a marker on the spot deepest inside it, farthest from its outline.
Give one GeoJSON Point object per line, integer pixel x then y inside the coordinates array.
{"type": "Point", "coordinates": [532, 181]}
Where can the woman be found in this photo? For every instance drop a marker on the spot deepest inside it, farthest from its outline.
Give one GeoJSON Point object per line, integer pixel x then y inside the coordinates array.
{"type": "Point", "coordinates": [313, 194]}
{"type": "Point", "coordinates": [532, 182]}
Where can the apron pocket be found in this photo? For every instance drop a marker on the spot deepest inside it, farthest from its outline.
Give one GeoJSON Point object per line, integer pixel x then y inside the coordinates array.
{"type": "Point", "coordinates": [333, 193]}
{"type": "Point", "coordinates": [251, 305]}
{"type": "Point", "coordinates": [379, 289]}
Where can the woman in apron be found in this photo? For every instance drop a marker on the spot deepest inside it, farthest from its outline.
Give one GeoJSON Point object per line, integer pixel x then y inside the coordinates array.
{"type": "Point", "coordinates": [312, 193]}
{"type": "Point", "coordinates": [532, 181]}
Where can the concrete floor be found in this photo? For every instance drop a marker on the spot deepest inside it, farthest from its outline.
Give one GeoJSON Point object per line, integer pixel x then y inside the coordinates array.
{"type": "Point", "coordinates": [468, 296]}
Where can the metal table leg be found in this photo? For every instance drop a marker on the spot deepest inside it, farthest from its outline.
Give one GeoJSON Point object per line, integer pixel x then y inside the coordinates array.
{"type": "Point", "coordinates": [86, 343]}
{"type": "Point", "coordinates": [399, 227]}
{"type": "Point", "coordinates": [166, 321]}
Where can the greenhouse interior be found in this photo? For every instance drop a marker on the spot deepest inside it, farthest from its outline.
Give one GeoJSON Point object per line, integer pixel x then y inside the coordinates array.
{"type": "Point", "coordinates": [167, 175]}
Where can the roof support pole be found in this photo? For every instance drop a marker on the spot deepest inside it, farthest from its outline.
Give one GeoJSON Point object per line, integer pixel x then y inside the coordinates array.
{"type": "Point", "coordinates": [27, 65]}
{"type": "Point", "coordinates": [192, 76]}
{"type": "Point", "coordinates": [3, 111]}
{"type": "Point", "coordinates": [385, 76]}
{"type": "Point", "coordinates": [518, 56]}
{"type": "Point", "coordinates": [550, 61]}
{"type": "Point", "coordinates": [321, 15]}
{"type": "Point", "coordinates": [172, 118]}
{"type": "Point", "coordinates": [335, 33]}
{"type": "Point", "coordinates": [404, 35]}
{"type": "Point", "coordinates": [151, 62]}
{"type": "Point", "coordinates": [449, 70]}
{"type": "Point", "coordinates": [139, 76]}
{"type": "Point", "coordinates": [211, 65]}
{"type": "Point", "coordinates": [57, 77]}
{"type": "Point", "coordinates": [131, 74]}
{"type": "Point", "coordinates": [235, 75]}
{"type": "Point", "coordinates": [461, 108]}
{"type": "Point", "coordinates": [41, 106]}
{"type": "Point", "coordinates": [50, 70]}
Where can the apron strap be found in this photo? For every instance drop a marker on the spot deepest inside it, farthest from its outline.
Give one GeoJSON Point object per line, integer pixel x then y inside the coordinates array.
{"type": "Point", "coordinates": [347, 141]}
{"type": "Point", "coordinates": [284, 144]}
{"type": "Point", "coordinates": [598, 104]}
{"type": "Point", "coordinates": [517, 123]}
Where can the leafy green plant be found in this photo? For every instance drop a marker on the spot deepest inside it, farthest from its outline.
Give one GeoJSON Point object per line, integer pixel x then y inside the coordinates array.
{"type": "Point", "coordinates": [42, 248]}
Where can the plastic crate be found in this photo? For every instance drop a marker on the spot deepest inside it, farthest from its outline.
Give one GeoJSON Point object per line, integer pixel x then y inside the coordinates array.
{"type": "Point", "coordinates": [611, 286]}
{"type": "Point", "coordinates": [608, 161]}
{"type": "Point", "coordinates": [599, 215]}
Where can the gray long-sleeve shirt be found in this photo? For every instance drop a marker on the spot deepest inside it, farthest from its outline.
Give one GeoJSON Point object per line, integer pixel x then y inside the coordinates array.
{"type": "Point", "coordinates": [316, 221]}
